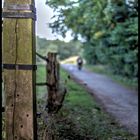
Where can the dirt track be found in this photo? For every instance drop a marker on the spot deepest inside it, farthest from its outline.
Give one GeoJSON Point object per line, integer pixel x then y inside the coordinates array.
{"type": "Point", "coordinates": [117, 100]}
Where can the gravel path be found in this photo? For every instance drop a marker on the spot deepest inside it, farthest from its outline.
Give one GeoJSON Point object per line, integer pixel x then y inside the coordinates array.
{"type": "Point", "coordinates": [117, 100]}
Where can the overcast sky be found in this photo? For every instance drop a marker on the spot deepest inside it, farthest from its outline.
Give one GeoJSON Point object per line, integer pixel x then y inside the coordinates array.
{"type": "Point", "coordinates": [44, 14]}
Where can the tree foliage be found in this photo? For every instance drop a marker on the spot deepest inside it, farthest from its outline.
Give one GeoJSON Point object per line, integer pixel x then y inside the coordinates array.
{"type": "Point", "coordinates": [109, 28]}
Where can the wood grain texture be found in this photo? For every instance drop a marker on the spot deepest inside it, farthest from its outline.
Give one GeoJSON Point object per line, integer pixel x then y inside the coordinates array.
{"type": "Point", "coordinates": [19, 85]}
{"type": "Point", "coordinates": [53, 80]}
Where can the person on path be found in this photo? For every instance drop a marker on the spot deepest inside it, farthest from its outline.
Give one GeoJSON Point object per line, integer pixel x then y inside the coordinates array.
{"type": "Point", "coordinates": [79, 63]}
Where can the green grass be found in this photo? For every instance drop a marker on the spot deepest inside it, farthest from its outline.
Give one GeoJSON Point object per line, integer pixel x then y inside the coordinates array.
{"type": "Point", "coordinates": [80, 118]}
{"type": "Point", "coordinates": [129, 83]}
{"type": "Point", "coordinates": [41, 78]}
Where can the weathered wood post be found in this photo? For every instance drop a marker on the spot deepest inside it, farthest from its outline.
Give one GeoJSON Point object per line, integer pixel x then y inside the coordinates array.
{"type": "Point", "coordinates": [19, 69]}
{"type": "Point", "coordinates": [53, 80]}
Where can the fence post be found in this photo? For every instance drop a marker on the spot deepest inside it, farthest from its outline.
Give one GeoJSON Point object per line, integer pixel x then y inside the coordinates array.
{"type": "Point", "coordinates": [53, 80]}
{"type": "Point", "coordinates": [19, 70]}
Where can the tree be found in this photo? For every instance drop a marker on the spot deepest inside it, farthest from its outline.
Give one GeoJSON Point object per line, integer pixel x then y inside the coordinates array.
{"type": "Point", "coordinates": [109, 28]}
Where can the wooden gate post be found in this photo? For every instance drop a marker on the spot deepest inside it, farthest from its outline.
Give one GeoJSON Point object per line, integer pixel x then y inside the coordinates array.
{"type": "Point", "coordinates": [19, 69]}
{"type": "Point", "coordinates": [53, 80]}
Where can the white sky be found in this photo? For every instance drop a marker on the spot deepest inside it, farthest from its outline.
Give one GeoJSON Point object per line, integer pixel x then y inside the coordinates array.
{"type": "Point", "coordinates": [44, 14]}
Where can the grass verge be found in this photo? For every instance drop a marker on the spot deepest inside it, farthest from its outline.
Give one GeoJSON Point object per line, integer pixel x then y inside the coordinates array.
{"type": "Point", "coordinates": [80, 118]}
